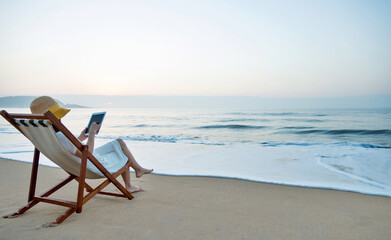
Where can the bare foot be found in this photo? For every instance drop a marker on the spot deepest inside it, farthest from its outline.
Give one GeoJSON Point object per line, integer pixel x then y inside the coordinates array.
{"type": "Point", "coordinates": [134, 189]}
{"type": "Point", "coordinates": [142, 171]}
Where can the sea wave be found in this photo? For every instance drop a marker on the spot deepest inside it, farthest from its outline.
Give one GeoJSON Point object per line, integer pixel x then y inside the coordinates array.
{"type": "Point", "coordinates": [142, 126]}
{"type": "Point", "coordinates": [243, 120]}
{"type": "Point", "coordinates": [199, 140]}
{"type": "Point", "coordinates": [338, 144]}
{"type": "Point", "coordinates": [282, 114]}
{"type": "Point", "coordinates": [13, 152]}
{"type": "Point", "coordinates": [277, 114]}
{"type": "Point", "coordinates": [345, 132]}
{"type": "Point", "coordinates": [143, 138]}
{"type": "Point", "coordinates": [148, 125]}
{"type": "Point", "coordinates": [10, 132]}
{"type": "Point", "coordinates": [302, 120]}
{"type": "Point", "coordinates": [166, 139]}
{"type": "Point", "coordinates": [231, 126]}
{"type": "Point", "coordinates": [297, 127]}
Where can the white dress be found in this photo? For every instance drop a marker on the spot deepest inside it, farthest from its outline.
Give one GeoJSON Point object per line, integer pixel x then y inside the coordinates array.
{"type": "Point", "coordinates": [110, 155]}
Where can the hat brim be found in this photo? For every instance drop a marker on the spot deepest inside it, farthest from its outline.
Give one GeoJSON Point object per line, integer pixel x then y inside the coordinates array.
{"type": "Point", "coordinates": [61, 112]}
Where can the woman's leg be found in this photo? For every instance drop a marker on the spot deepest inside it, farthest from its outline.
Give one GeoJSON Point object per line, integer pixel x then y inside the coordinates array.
{"type": "Point", "coordinates": [140, 171]}
{"type": "Point", "coordinates": [131, 188]}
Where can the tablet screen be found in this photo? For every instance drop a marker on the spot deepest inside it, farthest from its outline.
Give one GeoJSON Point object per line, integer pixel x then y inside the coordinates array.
{"type": "Point", "coordinates": [98, 118]}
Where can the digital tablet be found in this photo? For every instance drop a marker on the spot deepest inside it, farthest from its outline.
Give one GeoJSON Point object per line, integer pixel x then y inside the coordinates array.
{"type": "Point", "coordinates": [98, 118]}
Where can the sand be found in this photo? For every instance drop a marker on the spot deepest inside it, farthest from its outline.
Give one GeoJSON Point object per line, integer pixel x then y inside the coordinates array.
{"type": "Point", "coordinates": [193, 208]}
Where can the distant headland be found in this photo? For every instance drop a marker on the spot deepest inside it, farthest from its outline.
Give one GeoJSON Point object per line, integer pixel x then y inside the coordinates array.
{"type": "Point", "coordinates": [24, 102]}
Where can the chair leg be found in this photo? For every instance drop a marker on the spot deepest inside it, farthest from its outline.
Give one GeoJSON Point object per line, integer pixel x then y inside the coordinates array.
{"type": "Point", "coordinates": [61, 218]}
{"type": "Point", "coordinates": [34, 174]}
{"type": "Point", "coordinates": [34, 202]}
{"type": "Point", "coordinates": [82, 179]}
{"type": "Point", "coordinates": [22, 209]}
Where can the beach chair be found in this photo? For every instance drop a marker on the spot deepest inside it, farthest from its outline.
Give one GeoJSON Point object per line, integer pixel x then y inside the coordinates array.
{"type": "Point", "coordinates": [38, 128]}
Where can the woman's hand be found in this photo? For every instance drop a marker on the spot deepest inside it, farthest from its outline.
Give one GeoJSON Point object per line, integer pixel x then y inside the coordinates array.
{"type": "Point", "coordinates": [83, 136]}
{"type": "Point", "coordinates": [94, 128]}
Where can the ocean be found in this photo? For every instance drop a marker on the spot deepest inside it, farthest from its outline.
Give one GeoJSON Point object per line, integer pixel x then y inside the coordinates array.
{"type": "Point", "coordinates": [343, 149]}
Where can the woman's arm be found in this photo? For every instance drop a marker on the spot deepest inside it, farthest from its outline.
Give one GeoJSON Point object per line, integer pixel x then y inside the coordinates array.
{"type": "Point", "coordinates": [91, 138]}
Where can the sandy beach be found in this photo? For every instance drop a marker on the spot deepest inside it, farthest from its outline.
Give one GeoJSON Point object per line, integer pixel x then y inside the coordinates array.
{"type": "Point", "coordinates": [193, 208]}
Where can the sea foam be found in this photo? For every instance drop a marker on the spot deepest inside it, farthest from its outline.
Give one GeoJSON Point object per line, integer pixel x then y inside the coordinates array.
{"type": "Point", "coordinates": [348, 168]}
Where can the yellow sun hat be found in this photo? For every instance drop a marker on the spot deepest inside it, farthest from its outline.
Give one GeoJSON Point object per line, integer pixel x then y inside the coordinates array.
{"type": "Point", "coordinates": [46, 103]}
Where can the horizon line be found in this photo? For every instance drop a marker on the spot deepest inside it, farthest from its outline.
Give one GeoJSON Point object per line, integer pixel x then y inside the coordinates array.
{"type": "Point", "coordinates": [217, 96]}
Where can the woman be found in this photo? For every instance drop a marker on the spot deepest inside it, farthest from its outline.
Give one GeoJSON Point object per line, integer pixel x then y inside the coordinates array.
{"type": "Point", "coordinates": [44, 103]}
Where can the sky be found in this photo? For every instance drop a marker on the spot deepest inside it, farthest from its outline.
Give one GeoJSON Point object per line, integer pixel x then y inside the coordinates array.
{"type": "Point", "coordinates": [265, 48]}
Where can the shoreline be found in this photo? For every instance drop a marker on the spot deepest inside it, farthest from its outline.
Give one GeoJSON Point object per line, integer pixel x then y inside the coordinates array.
{"type": "Point", "coordinates": [193, 208]}
{"type": "Point", "coordinates": [240, 179]}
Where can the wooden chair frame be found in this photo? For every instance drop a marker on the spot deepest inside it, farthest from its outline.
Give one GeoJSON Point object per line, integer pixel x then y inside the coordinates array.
{"type": "Point", "coordinates": [86, 155]}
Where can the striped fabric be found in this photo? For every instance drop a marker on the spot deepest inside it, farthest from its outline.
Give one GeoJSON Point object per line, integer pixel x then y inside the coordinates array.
{"type": "Point", "coordinates": [33, 123]}
{"type": "Point", "coordinates": [44, 138]}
